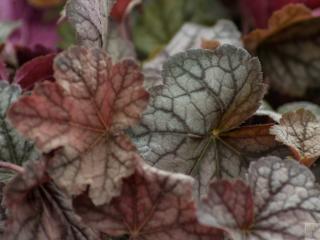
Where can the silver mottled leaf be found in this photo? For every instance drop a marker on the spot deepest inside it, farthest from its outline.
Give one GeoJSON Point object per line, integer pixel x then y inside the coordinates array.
{"type": "Point", "coordinates": [285, 199]}
{"type": "Point", "coordinates": [13, 147]}
{"type": "Point", "coordinates": [205, 95]}
{"type": "Point", "coordinates": [293, 106]}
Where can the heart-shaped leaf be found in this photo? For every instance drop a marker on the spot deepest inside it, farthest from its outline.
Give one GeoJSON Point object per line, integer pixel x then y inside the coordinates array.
{"type": "Point", "coordinates": [284, 200]}
{"type": "Point", "coordinates": [38, 210]}
{"type": "Point", "coordinates": [153, 205]}
{"type": "Point", "coordinates": [84, 114]}
{"type": "Point", "coordinates": [292, 29]}
{"type": "Point", "coordinates": [300, 131]}
{"type": "Point", "coordinates": [13, 147]}
{"type": "Point", "coordinates": [191, 126]}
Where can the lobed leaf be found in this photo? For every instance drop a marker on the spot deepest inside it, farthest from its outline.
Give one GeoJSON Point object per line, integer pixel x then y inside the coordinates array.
{"type": "Point", "coordinates": [153, 205]}
{"type": "Point", "coordinates": [285, 199]}
{"type": "Point", "coordinates": [300, 130]}
{"type": "Point", "coordinates": [38, 210]}
{"type": "Point", "coordinates": [292, 29]}
{"type": "Point", "coordinates": [83, 116]}
{"type": "Point", "coordinates": [13, 147]}
{"type": "Point", "coordinates": [192, 125]}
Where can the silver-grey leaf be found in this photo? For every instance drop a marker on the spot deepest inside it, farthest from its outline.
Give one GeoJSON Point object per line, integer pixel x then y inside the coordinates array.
{"type": "Point", "coordinates": [206, 94]}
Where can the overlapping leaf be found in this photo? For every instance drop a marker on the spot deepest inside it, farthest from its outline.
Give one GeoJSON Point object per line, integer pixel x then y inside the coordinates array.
{"type": "Point", "coordinates": [90, 19]}
{"type": "Point", "coordinates": [292, 29]}
{"type": "Point", "coordinates": [300, 131]}
{"type": "Point", "coordinates": [13, 147]}
{"type": "Point", "coordinates": [39, 211]}
{"type": "Point", "coordinates": [94, 28]}
{"type": "Point", "coordinates": [153, 205]}
{"type": "Point", "coordinates": [293, 106]}
{"type": "Point", "coordinates": [284, 198]}
{"type": "Point", "coordinates": [84, 114]}
{"type": "Point", "coordinates": [191, 126]}
{"type": "Point", "coordinates": [189, 36]}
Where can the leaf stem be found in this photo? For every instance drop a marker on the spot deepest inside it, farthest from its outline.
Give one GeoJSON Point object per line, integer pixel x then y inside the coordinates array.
{"type": "Point", "coordinates": [11, 166]}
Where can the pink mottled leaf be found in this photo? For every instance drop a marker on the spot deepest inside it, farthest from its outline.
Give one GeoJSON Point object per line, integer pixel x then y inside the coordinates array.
{"type": "Point", "coordinates": [284, 198]}
{"type": "Point", "coordinates": [38, 210]}
{"type": "Point", "coordinates": [153, 205]}
{"type": "Point", "coordinates": [84, 114]}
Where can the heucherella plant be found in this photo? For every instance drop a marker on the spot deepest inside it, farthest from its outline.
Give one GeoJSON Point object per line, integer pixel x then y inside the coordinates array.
{"type": "Point", "coordinates": [184, 147]}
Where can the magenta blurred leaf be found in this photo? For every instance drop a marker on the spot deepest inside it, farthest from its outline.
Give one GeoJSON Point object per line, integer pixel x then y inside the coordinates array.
{"type": "Point", "coordinates": [36, 70]}
{"type": "Point", "coordinates": [259, 11]}
{"type": "Point", "coordinates": [36, 26]}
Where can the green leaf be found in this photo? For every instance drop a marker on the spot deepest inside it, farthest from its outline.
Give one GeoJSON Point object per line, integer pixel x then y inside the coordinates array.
{"type": "Point", "coordinates": [6, 28]}
{"type": "Point", "coordinates": [161, 19]}
{"type": "Point", "coordinates": [67, 35]}
{"type": "Point", "coordinates": [13, 147]}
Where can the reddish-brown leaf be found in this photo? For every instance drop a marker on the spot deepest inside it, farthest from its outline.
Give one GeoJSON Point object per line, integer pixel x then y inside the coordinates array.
{"type": "Point", "coordinates": [85, 114]}
{"type": "Point", "coordinates": [153, 205]}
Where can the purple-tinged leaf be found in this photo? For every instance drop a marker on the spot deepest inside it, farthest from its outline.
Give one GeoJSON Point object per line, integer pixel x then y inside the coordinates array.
{"type": "Point", "coordinates": [34, 71]}
{"type": "Point", "coordinates": [84, 114]}
{"type": "Point", "coordinates": [153, 205]}
{"type": "Point", "coordinates": [300, 130]}
{"type": "Point", "coordinates": [38, 210]}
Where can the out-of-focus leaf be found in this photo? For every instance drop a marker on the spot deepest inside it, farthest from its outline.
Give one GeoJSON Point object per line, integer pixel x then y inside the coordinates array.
{"type": "Point", "coordinates": [259, 11]}
{"type": "Point", "coordinates": [4, 73]}
{"type": "Point", "coordinates": [285, 198]}
{"type": "Point", "coordinates": [7, 28]}
{"type": "Point", "coordinates": [84, 114]}
{"type": "Point", "coordinates": [161, 19]}
{"type": "Point", "coordinates": [190, 36]}
{"type": "Point", "coordinates": [153, 205]}
{"type": "Point", "coordinates": [192, 125]}
{"type": "Point", "coordinates": [293, 106]}
{"type": "Point", "coordinates": [291, 30]}
{"type": "Point", "coordinates": [13, 147]}
{"type": "Point", "coordinates": [45, 3]}
{"type": "Point", "coordinates": [40, 211]}
{"type": "Point", "coordinates": [34, 71]}
{"type": "Point", "coordinates": [300, 131]}
{"type": "Point", "coordinates": [67, 35]}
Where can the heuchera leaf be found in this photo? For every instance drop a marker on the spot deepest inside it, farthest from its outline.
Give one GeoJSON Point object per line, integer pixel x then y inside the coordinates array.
{"type": "Point", "coordinates": [85, 114]}
{"type": "Point", "coordinates": [300, 130]}
{"type": "Point", "coordinates": [153, 205]}
{"type": "Point", "coordinates": [90, 20]}
{"type": "Point", "coordinates": [190, 36]}
{"type": "Point", "coordinates": [13, 147]}
{"type": "Point", "coordinates": [7, 28]}
{"type": "Point", "coordinates": [192, 125]}
{"type": "Point", "coordinates": [292, 29]}
{"type": "Point", "coordinates": [284, 198]}
{"type": "Point", "coordinates": [39, 211]}
{"type": "Point", "coordinates": [36, 70]}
